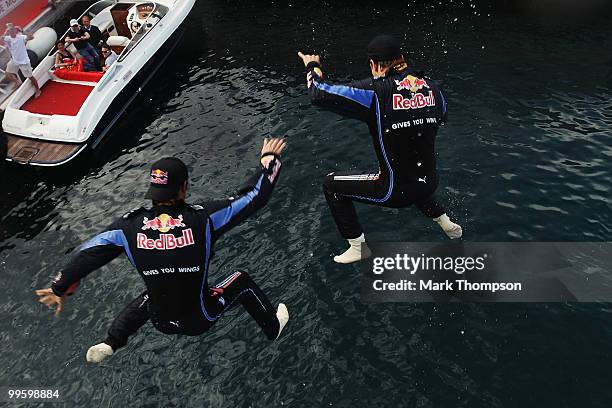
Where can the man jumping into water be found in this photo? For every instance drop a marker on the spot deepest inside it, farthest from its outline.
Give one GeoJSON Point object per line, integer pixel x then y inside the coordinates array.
{"type": "Point", "coordinates": [403, 111]}
{"type": "Point", "coordinates": [171, 244]}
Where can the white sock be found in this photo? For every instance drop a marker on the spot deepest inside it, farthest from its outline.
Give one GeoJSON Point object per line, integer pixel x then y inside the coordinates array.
{"type": "Point", "coordinates": [282, 314]}
{"type": "Point", "coordinates": [452, 230]}
{"type": "Point", "coordinates": [355, 252]}
{"type": "Point", "coordinates": [99, 352]}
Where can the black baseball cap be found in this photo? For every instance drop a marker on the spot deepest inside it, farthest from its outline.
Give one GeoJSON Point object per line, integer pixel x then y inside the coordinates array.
{"type": "Point", "coordinates": [384, 48]}
{"type": "Point", "coordinates": [166, 178]}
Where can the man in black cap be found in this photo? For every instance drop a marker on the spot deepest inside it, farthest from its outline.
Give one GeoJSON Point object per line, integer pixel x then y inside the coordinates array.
{"type": "Point", "coordinates": [171, 244]}
{"type": "Point", "coordinates": [80, 37]}
{"type": "Point", "coordinates": [403, 111]}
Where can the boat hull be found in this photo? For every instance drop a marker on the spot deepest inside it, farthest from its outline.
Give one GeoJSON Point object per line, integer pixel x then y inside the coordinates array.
{"type": "Point", "coordinates": [134, 88]}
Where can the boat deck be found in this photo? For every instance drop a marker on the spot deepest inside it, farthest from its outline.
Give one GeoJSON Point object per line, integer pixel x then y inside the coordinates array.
{"type": "Point", "coordinates": [25, 13]}
{"type": "Point", "coordinates": [59, 98]}
{"type": "Point", "coordinates": [23, 150]}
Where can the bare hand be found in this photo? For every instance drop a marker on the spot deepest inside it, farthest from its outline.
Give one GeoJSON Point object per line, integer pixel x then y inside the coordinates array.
{"type": "Point", "coordinates": [272, 146]}
{"type": "Point", "coordinates": [309, 58]}
{"type": "Point", "coordinates": [50, 299]}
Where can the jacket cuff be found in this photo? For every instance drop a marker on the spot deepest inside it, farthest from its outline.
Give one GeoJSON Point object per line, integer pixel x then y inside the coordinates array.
{"type": "Point", "coordinates": [56, 292]}
{"type": "Point", "coordinates": [313, 64]}
{"type": "Point", "coordinates": [269, 154]}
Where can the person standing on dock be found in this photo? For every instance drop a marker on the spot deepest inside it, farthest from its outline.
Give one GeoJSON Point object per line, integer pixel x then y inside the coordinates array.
{"type": "Point", "coordinates": [403, 111]}
{"type": "Point", "coordinates": [171, 245]}
{"type": "Point", "coordinates": [15, 40]}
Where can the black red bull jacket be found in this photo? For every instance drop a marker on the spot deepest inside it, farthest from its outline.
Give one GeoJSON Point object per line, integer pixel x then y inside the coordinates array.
{"type": "Point", "coordinates": [403, 111]}
{"type": "Point", "coordinates": [170, 247]}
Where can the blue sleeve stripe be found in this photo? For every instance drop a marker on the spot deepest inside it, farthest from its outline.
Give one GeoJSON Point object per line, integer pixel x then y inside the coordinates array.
{"type": "Point", "coordinates": [114, 237]}
{"type": "Point", "coordinates": [226, 214]}
{"type": "Point", "coordinates": [361, 96]}
{"type": "Point", "coordinates": [208, 316]}
{"type": "Point", "coordinates": [443, 103]}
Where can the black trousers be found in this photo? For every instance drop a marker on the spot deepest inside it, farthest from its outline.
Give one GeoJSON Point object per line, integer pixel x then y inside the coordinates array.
{"type": "Point", "coordinates": [342, 189]}
{"type": "Point", "coordinates": [237, 288]}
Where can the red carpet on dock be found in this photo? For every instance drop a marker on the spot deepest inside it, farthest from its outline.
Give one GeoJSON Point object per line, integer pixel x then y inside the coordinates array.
{"type": "Point", "coordinates": [58, 98]}
{"type": "Point", "coordinates": [24, 13]}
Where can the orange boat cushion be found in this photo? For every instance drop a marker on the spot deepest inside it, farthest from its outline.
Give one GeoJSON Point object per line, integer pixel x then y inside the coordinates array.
{"type": "Point", "coordinates": [70, 75]}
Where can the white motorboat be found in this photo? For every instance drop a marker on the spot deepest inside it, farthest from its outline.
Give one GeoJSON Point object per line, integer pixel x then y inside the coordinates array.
{"type": "Point", "coordinates": [76, 109]}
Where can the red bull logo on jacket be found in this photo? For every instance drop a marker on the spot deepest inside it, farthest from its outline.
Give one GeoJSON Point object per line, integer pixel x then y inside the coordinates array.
{"type": "Point", "coordinates": [411, 82]}
{"type": "Point", "coordinates": [162, 223]}
{"type": "Point", "coordinates": [165, 241]}
{"type": "Point", "coordinates": [417, 101]}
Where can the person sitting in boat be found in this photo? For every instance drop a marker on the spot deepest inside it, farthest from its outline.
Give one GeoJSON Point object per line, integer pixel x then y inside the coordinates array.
{"type": "Point", "coordinates": [95, 35]}
{"type": "Point", "coordinates": [63, 57]}
{"type": "Point", "coordinates": [15, 40]}
{"type": "Point", "coordinates": [80, 39]}
{"type": "Point", "coordinates": [109, 56]}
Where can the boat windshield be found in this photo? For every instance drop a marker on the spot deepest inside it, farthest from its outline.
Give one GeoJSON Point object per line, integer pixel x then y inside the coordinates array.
{"type": "Point", "coordinates": [96, 8]}
{"type": "Point", "coordinates": [154, 17]}
{"type": "Point", "coordinates": [92, 11]}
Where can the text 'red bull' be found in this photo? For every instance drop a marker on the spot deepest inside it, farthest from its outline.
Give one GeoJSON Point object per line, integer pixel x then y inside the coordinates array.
{"type": "Point", "coordinates": [165, 241]}
{"type": "Point", "coordinates": [417, 101]}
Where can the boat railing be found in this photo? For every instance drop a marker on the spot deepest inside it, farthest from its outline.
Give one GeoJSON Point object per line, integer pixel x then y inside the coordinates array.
{"type": "Point", "coordinates": [96, 8]}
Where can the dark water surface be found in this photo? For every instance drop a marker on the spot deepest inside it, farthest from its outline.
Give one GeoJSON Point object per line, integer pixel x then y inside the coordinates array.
{"type": "Point", "coordinates": [525, 156]}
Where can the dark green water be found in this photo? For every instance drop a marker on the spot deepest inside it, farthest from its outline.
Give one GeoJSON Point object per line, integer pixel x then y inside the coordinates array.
{"type": "Point", "coordinates": [525, 156]}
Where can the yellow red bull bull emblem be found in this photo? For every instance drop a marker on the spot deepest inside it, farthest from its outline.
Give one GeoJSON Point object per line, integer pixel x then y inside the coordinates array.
{"type": "Point", "coordinates": [412, 83]}
{"type": "Point", "coordinates": [159, 176]}
{"type": "Point", "coordinates": [162, 223]}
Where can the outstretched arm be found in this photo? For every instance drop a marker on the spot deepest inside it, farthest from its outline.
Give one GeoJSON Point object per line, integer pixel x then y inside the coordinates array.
{"type": "Point", "coordinates": [226, 214]}
{"type": "Point", "coordinates": [90, 256]}
{"type": "Point", "coordinates": [353, 100]}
